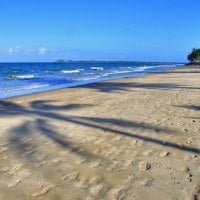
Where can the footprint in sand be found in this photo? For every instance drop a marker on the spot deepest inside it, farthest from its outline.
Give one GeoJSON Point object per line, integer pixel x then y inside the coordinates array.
{"type": "Point", "coordinates": [14, 184]}
{"type": "Point", "coordinates": [144, 166]}
{"type": "Point", "coordinates": [4, 169]}
{"type": "Point", "coordinates": [97, 151]}
{"type": "Point", "coordinates": [27, 153]}
{"type": "Point", "coordinates": [29, 148]}
{"type": "Point", "coordinates": [71, 176]}
{"type": "Point", "coordinates": [100, 140]}
{"type": "Point", "coordinates": [195, 157]}
{"type": "Point", "coordinates": [120, 193]}
{"type": "Point", "coordinates": [187, 158]}
{"type": "Point", "coordinates": [83, 183]}
{"type": "Point", "coordinates": [4, 158]}
{"type": "Point", "coordinates": [174, 180]}
{"type": "Point", "coordinates": [157, 163]}
{"type": "Point", "coordinates": [112, 166]}
{"type": "Point", "coordinates": [134, 142]}
{"type": "Point", "coordinates": [96, 189]}
{"type": "Point", "coordinates": [148, 152]}
{"type": "Point", "coordinates": [95, 180]}
{"type": "Point", "coordinates": [4, 149]}
{"type": "Point", "coordinates": [140, 143]}
{"type": "Point", "coordinates": [95, 164]}
{"type": "Point", "coordinates": [81, 161]}
{"type": "Point", "coordinates": [41, 164]}
{"type": "Point", "coordinates": [118, 138]}
{"type": "Point", "coordinates": [164, 154]}
{"type": "Point", "coordinates": [13, 171]}
{"type": "Point", "coordinates": [185, 169]}
{"type": "Point", "coordinates": [189, 177]}
{"type": "Point", "coordinates": [43, 191]}
{"type": "Point", "coordinates": [57, 160]}
{"type": "Point", "coordinates": [90, 139]}
{"type": "Point", "coordinates": [113, 151]}
{"type": "Point", "coordinates": [146, 183]}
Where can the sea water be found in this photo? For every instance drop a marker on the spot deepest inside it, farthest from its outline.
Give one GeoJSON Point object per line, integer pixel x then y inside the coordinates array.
{"type": "Point", "coordinates": [25, 78]}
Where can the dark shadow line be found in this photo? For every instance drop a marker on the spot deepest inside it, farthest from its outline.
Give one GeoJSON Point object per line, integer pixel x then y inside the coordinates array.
{"type": "Point", "coordinates": [100, 120]}
{"type": "Point", "coordinates": [42, 104]}
{"type": "Point", "coordinates": [72, 119]}
{"type": "Point", "coordinates": [144, 138]}
{"type": "Point", "coordinates": [191, 107]}
{"type": "Point", "coordinates": [47, 130]}
{"type": "Point", "coordinates": [121, 86]}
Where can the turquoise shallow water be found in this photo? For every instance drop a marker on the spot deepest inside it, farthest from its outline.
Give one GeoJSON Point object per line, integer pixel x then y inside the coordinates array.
{"type": "Point", "coordinates": [25, 78]}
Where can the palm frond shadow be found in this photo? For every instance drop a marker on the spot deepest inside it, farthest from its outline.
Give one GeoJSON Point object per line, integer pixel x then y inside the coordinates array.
{"type": "Point", "coordinates": [114, 86]}
{"type": "Point", "coordinates": [44, 112]}
{"type": "Point", "coordinates": [190, 107]}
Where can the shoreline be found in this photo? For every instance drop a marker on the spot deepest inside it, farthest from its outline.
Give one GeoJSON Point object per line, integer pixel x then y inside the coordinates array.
{"type": "Point", "coordinates": [58, 87]}
{"type": "Point", "coordinates": [130, 138]}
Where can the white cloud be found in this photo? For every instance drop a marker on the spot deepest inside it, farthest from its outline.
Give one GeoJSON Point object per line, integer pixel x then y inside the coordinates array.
{"type": "Point", "coordinates": [42, 50]}
{"type": "Point", "coordinates": [12, 50]}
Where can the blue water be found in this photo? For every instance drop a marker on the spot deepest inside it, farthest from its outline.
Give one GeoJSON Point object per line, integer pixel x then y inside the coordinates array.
{"type": "Point", "coordinates": [25, 78]}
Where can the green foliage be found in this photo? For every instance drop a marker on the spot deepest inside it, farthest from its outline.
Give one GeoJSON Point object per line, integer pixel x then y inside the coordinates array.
{"type": "Point", "coordinates": [194, 56]}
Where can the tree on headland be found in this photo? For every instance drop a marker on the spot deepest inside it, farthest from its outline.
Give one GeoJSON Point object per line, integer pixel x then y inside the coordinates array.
{"type": "Point", "coordinates": [194, 56]}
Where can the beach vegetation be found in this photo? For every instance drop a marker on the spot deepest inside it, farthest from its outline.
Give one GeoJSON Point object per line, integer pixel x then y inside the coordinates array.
{"type": "Point", "coordinates": [194, 56]}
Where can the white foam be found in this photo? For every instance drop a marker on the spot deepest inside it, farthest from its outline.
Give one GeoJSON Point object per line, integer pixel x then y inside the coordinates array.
{"type": "Point", "coordinates": [129, 70]}
{"type": "Point", "coordinates": [25, 76]}
{"type": "Point", "coordinates": [117, 72]}
{"type": "Point", "coordinates": [140, 69]}
{"type": "Point", "coordinates": [97, 68]}
{"type": "Point", "coordinates": [35, 86]}
{"type": "Point", "coordinates": [27, 87]}
{"type": "Point", "coordinates": [71, 71]}
{"type": "Point", "coordinates": [88, 78]}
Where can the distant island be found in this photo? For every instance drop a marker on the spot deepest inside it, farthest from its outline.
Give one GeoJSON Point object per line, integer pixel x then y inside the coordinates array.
{"type": "Point", "coordinates": [99, 61]}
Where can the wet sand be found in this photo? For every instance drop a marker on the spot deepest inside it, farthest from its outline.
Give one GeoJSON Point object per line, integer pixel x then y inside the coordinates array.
{"type": "Point", "coordinates": [132, 138]}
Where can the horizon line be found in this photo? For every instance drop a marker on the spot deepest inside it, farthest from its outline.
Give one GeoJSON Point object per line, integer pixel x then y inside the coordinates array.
{"type": "Point", "coordinates": [60, 61]}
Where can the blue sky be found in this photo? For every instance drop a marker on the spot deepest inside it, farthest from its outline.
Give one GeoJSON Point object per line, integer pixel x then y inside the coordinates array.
{"type": "Point", "coordinates": [144, 30]}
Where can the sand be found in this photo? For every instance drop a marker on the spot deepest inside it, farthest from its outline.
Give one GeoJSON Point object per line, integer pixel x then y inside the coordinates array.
{"type": "Point", "coordinates": [132, 138]}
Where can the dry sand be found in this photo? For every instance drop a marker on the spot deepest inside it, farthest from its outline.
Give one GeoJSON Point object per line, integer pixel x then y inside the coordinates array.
{"type": "Point", "coordinates": [132, 138]}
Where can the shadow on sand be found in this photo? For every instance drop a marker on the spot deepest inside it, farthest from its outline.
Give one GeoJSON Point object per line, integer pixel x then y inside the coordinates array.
{"type": "Point", "coordinates": [121, 86]}
{"type": "Point", "coordinates": [43, 112]}
{"type": "Point", "coordinates": [191, 107]}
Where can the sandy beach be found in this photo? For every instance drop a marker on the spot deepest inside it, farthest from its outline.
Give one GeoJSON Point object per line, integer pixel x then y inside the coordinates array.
{"type": "Point", "coordinates": [132, 138]}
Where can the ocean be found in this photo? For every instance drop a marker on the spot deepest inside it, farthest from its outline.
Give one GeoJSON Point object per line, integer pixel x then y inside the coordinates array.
{"type": "Point", "coordinates": [26, 78]}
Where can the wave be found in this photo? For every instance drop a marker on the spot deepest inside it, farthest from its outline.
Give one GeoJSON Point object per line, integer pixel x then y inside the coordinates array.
{"type": "Point", "coordinates": [141, 69]}
{"type": "Point", "coordinates": [72, 71]}
{"type": "Point", "coordinates": [131, 70]}
{"type": "Point", "coordinates": [27, 87]}
{"type": "Point", "coordinates": [117, 72]}
{"type": "Point", "coordinates": [25, 76]}
{"type": "Point", "coordinates": [97, 68]}
{"type": "Point", "coordinates": [88, 78]}
{"type": "Point", "coordinates": [13, 77]}
{"type": "Point", "coordinates": [34, 86]}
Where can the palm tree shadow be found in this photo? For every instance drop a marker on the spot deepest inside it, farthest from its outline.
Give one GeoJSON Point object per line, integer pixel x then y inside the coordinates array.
{"type": "Point", "coordinates": [46, 130]}
{"type": "Point", "coordinates": [133, 135]}
{"type": "Point", "coordinates": [20, 141]}
{"type": "Point", "coordinates": [45, 111]}
{"type": "Point", "coordinates": [23, 137]}
{"type": "Point", "coordinates": [23, 140]}
{"type": "Point", "coordinates": [191, 107]}
{"type": "Point", "coordinates": [114, 86]}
